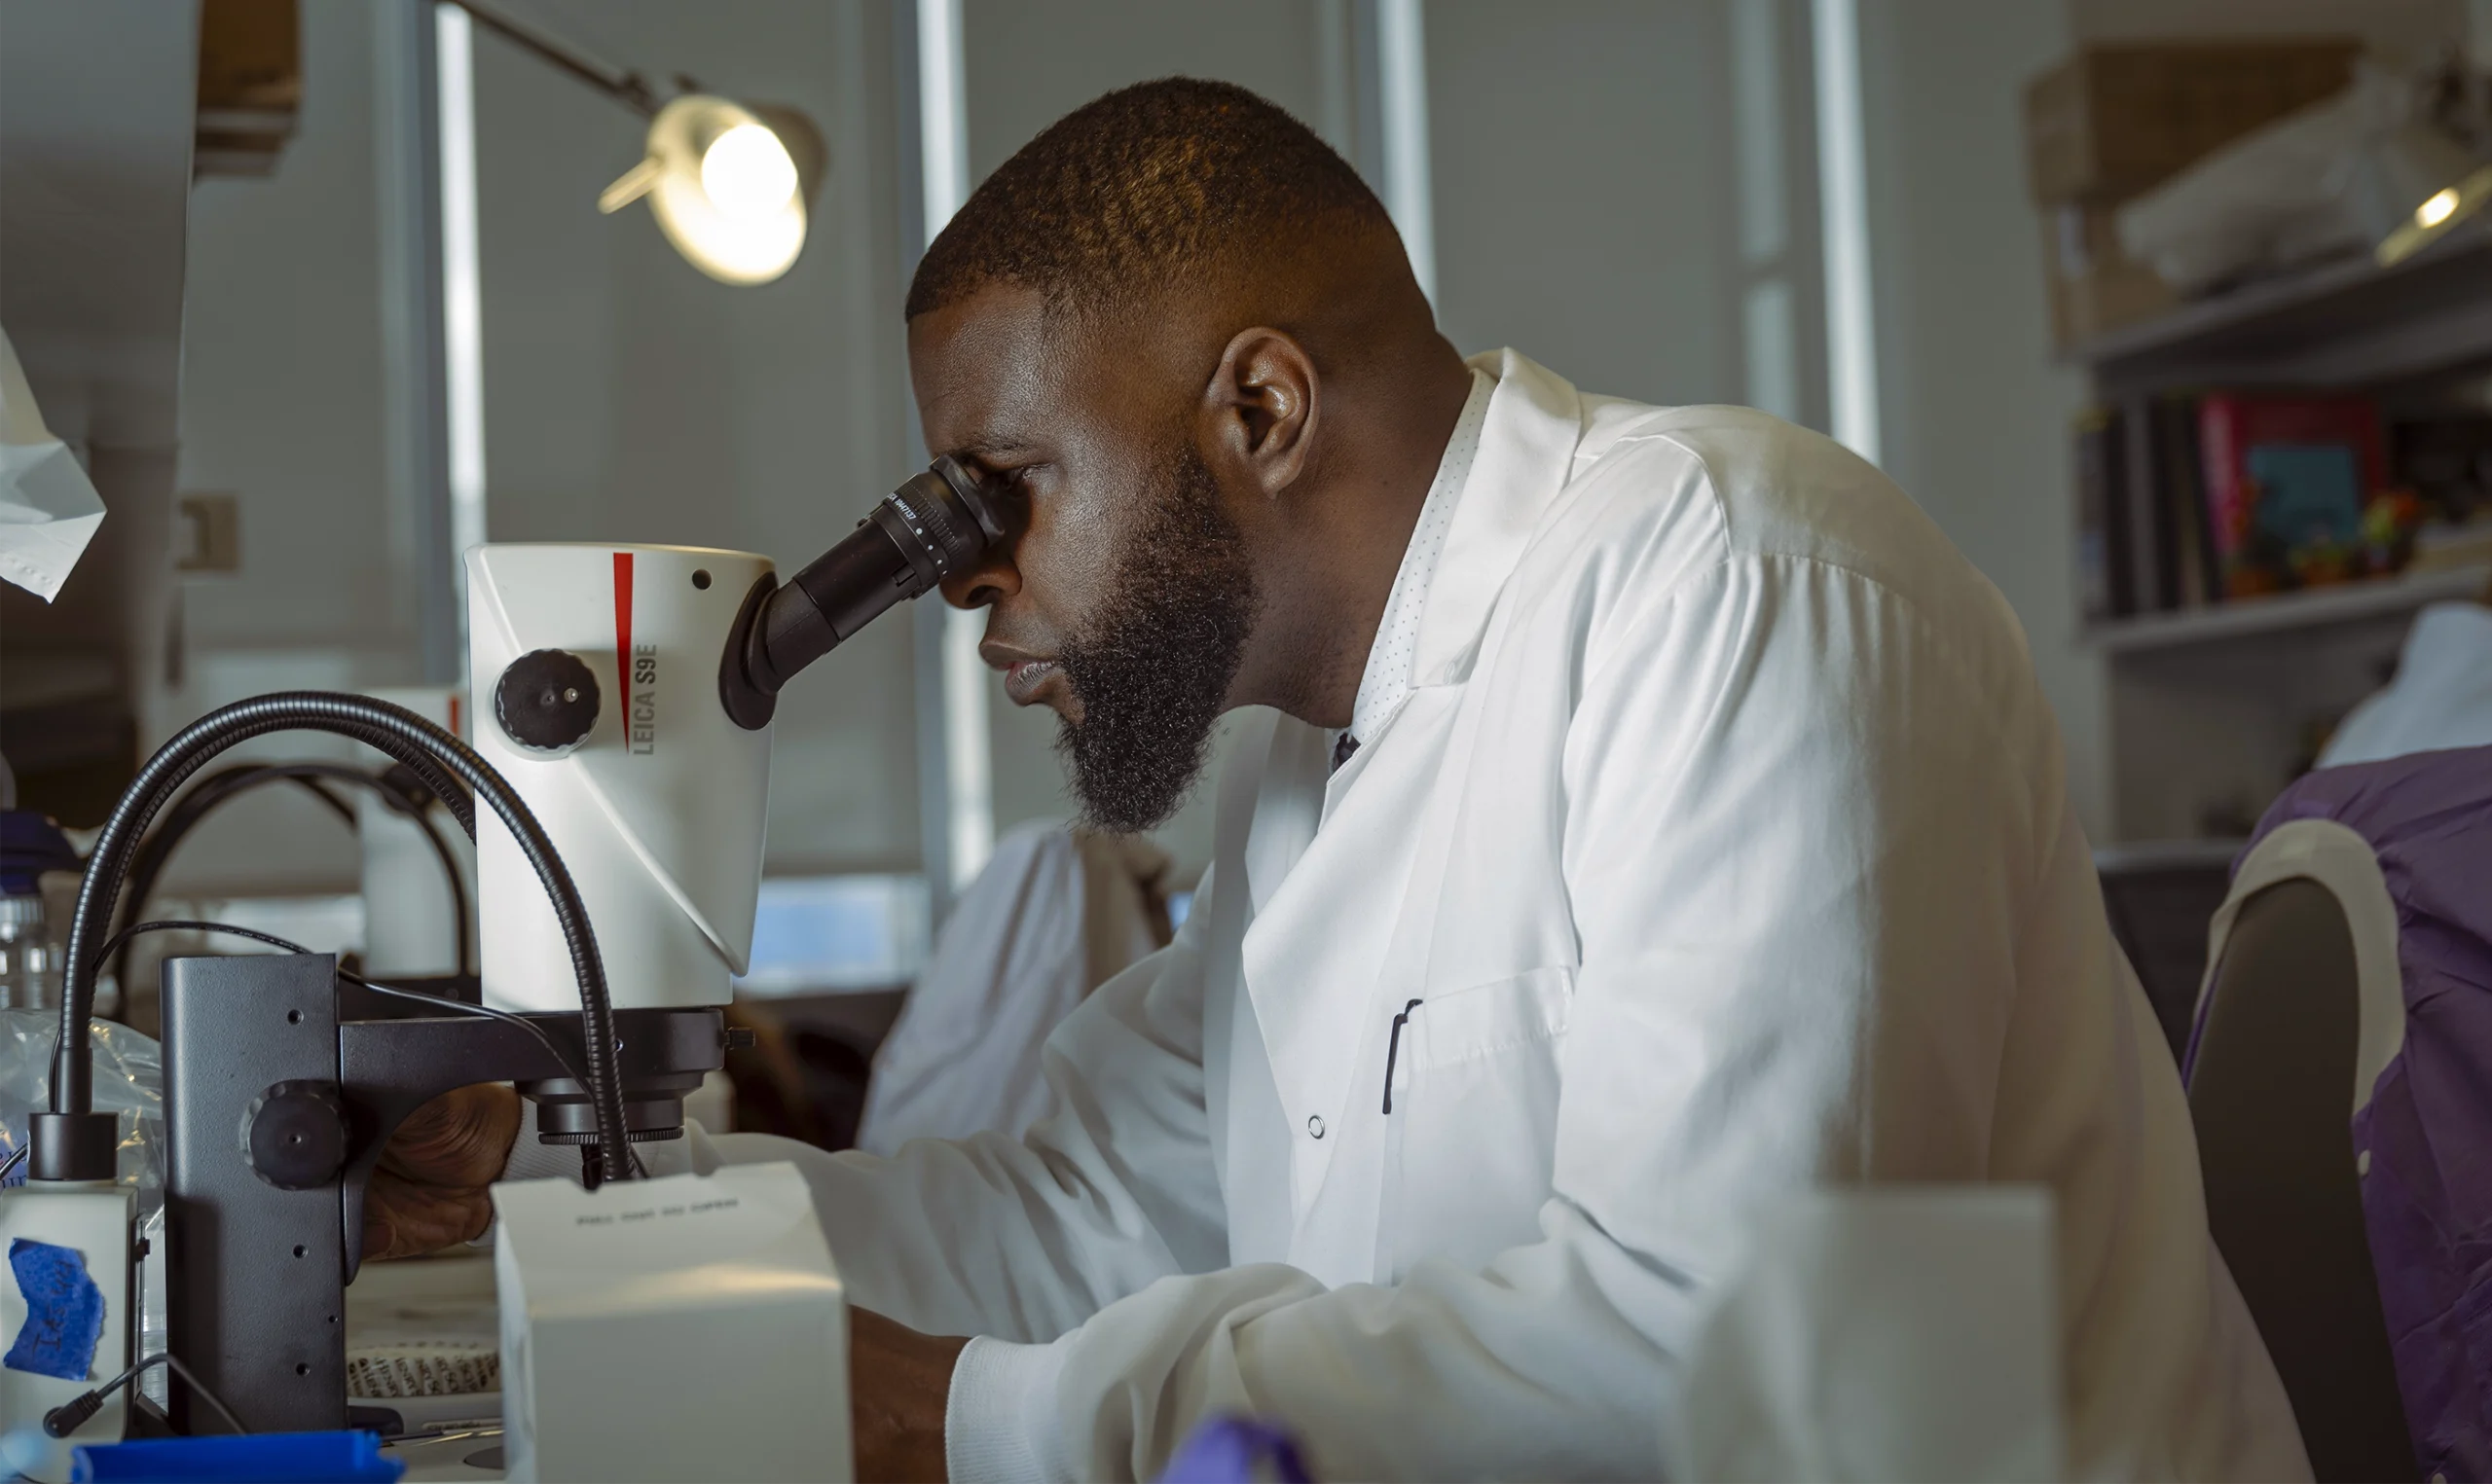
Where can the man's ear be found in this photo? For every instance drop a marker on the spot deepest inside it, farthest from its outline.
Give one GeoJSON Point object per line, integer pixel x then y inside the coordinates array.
{"type": "Point", "coordinates": [1260, 408]}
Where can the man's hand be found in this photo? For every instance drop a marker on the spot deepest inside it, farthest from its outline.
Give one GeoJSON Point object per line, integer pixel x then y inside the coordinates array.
{"type": "Point", "coordinates": [897, 1382]}
{"type": "Point", "coordinates": [428, 1190]}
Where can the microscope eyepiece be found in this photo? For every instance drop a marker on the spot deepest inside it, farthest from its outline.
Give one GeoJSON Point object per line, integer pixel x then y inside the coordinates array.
{"type": "Point", "coordinates": [942, 520]}
{"type": "Point", "coordinates": [937, 523]}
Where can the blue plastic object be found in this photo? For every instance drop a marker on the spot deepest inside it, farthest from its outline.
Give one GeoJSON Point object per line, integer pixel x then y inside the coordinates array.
{"type": "Point", "coordinates": [1236, 1449]}
{"type": "Point", "coordinates": [269, 1458]}
{"type": "Point", "coordinates": [29, 846]}
{"type": "Point", "coordinates": [64, 1312]}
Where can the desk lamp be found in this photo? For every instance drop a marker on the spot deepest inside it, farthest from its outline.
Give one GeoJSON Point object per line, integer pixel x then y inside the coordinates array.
{"type": "Point", "coordinates": [730, 183]}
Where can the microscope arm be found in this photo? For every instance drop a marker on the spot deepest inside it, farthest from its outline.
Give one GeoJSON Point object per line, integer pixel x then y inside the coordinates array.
{"type": "Point", "coordinates": [390, 1068]}
{"type": "Point", "coordinates": [283, 1086]}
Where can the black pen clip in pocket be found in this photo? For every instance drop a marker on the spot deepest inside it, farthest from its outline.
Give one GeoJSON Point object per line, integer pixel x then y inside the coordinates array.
{"type": "Point", "coordinates": [1393, 1049]}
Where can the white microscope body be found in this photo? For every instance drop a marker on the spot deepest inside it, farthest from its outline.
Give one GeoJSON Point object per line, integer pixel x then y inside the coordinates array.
{"type": "Point", "coordinates": [595, 692]}
{"type": "Point", "coordinates": [657, 808]}
{"type": "Point", "coordinates": [626, 692]}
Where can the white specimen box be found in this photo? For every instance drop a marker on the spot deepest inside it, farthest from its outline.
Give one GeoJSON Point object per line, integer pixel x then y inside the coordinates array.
{"type": "Point", "coordinates": [692, 1327]}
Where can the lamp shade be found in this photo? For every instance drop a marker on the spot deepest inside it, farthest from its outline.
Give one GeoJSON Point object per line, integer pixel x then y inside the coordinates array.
{"type": "Point", "coordinates": [731, 184]}
{"type": "Point", "coordinates": [2409, 186]}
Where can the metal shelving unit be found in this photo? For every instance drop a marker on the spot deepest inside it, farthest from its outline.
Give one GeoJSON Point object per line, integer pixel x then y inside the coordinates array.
{"type": "Point", "coordinates": [2250, 617]}
{"type": "Point", "coordinates": [2213, 710]}
{"type": "Point", "coordinates": [2341, 323]}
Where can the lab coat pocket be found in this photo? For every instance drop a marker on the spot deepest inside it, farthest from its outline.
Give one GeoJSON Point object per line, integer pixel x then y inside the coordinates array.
{"type": "Point", "coordinates": [1473, 1131]}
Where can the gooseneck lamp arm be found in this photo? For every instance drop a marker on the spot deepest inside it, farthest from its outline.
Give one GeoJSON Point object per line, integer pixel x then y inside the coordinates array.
{"type": "Point", "coordinates": [627, 87]}
{"type": "Point", "coordinates": [72, 1141]}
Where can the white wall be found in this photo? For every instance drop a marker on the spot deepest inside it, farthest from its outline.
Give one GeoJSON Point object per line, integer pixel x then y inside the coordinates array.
{"type": "Point", "coordinates": [1030, 62]}
{"type": "Point", "coordinates": [1584, 190]}
{"type": "Point", "coordinates": [281, 378]}
{"type": "Point", "coordinates": [1975, 411]}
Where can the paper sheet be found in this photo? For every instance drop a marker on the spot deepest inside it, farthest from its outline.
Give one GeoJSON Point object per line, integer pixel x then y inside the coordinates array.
{"type": "Point", "coordinates": [48, 509]}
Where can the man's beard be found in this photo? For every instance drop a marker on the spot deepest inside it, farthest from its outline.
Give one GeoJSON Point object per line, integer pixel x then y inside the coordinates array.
{"type": "Point", "coordinates": [1153, 670]}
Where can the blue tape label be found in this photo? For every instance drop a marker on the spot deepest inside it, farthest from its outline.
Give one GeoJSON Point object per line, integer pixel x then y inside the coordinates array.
{"type": "Point", "coordinates": [64, 1312]}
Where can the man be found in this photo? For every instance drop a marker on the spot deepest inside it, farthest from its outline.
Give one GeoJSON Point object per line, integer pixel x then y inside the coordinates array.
{"type": "Point", "coordinates": [1652, 815]}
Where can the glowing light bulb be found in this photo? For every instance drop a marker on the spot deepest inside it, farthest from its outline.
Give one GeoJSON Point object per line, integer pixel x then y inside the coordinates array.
{"type": "Point", "coordinates": [2436, 210]}
{"type": "Point", "coordinates": [729, 184]}
{"type": "Point", "coordinates": [747, 173]}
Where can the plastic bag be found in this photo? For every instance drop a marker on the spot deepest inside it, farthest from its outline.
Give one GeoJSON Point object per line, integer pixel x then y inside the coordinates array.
{"type": "Point", "coordinates": [129, 1082]}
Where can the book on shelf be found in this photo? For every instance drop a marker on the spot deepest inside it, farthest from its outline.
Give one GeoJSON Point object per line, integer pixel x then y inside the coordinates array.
{"type": "Point", "coordinates": [2104, 589]}
{"type": "Point", "coordinates": [2168, 541]}
{"type": "Point", "coordinates": [2188, 499]}
{"type": "Point", "coordinates": [2142, 542]}
{"type": "Point", "coordinates": [2288, 481]}
{"type": "Point", "coordinates": [2197, 575]}
{"type": "Point", "coordinates": [2140, 478]}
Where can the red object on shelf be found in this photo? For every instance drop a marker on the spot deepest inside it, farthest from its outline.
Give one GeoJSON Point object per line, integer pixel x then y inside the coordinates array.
{"type": "Point", "coordinates": [2230, 426]}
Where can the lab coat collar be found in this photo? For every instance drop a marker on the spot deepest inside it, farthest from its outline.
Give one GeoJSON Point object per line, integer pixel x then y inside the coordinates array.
{"type": "Point", "coordinates": [1526, 450]}
{"type": "Point", "coordinates": [1527, 447]}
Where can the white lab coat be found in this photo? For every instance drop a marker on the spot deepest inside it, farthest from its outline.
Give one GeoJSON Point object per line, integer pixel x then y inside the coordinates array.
{"type": "Point", "coordinates": [2441, 698]}
{"type": "Point", "coordinates": [1722, 849]}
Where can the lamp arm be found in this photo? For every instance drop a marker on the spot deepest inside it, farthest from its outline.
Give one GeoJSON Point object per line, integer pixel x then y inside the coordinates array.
{"type": "Point", "coordinates": [630, 89]}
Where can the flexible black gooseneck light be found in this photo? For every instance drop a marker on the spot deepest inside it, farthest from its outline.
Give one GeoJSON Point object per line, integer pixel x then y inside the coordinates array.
{"type": "Point", "coordinates": [211, 791]}
{"type": "Point", "coordinates": [75, 1142]}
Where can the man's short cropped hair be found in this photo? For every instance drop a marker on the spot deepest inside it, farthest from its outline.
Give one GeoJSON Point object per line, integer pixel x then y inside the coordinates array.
{"type": "Point", "coordinates": [1146, 188]}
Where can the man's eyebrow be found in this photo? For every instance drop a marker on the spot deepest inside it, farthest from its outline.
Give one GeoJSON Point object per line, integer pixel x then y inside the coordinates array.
{"type": "Point", "coordinates": [986, 449]}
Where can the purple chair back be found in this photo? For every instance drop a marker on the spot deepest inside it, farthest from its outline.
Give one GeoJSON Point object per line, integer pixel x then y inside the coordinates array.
{"type": "Point", "coordinates": [2402, 851]}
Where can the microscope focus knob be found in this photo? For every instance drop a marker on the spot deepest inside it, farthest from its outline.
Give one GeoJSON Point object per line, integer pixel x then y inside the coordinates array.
{"type": "Point", "coordinates": [546, 701]}
{"type": "Point", "coordinates": [298, 1135]}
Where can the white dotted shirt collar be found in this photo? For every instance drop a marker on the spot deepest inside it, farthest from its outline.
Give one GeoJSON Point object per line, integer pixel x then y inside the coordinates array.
{"type": "Point", "coordinates": [1386, 682]}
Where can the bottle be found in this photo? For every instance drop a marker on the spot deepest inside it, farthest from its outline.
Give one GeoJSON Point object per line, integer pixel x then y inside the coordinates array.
{"type": "Point", "coordinates": [29, 964]}
{"type": "Point", "coordinates": [30, 957]}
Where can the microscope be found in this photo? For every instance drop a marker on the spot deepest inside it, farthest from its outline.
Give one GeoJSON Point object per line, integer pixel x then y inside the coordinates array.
{"type": "Point", "coordinates": [623, 699]}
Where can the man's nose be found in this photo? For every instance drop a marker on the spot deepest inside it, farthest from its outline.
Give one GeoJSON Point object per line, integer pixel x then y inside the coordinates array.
{"type": "Point", "coordinates": [989, 580]}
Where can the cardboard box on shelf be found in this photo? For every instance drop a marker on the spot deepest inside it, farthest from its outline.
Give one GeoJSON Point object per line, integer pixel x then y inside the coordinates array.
{"type": "Point", "coordinates": [2095, 286]}
{"type": "Point", "coordinates": [250, 85]}
{"type": "Point", "coordinates": [2116, 119]}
